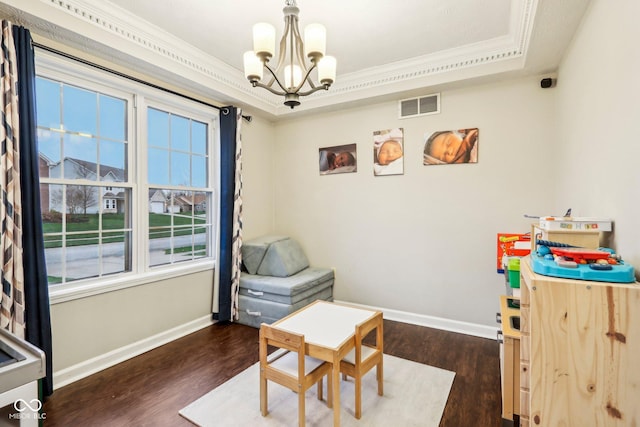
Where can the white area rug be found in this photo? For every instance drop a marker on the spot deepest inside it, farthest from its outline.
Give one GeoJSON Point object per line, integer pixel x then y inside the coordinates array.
{"type": "Point", "coordinates": [414, 395]}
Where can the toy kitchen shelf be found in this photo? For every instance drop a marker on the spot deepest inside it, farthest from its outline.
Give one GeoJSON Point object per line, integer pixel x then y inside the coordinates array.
{"type": "Point", "coordinates": [509, 339]}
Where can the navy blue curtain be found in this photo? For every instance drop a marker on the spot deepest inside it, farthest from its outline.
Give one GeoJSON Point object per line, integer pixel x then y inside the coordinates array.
{"type": "Point", "coordinates": [36, 288]}
{"type": "Point", "coordinates": [228, 129]}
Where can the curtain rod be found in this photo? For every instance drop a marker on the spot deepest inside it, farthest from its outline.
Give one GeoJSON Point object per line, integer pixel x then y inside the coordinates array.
{"type": "Point", "coordinates": [224, 110]}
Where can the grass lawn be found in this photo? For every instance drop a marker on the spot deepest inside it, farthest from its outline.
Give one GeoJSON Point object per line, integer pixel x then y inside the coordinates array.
{"type": "Point", "coordinates": [83, 229]}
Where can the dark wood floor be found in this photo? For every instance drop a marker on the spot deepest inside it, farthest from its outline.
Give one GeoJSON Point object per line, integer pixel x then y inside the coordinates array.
{"type": "Point", "coordinates": [150, 389]}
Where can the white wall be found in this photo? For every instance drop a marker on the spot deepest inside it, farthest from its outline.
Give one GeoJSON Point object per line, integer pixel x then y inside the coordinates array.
{"type": "Point", "coordinates": [92, 327]}
{"type": "Point", "coordinates": [258, 139]}
{"type": "Point", "coordinates": [423, 242]}
{"type": "Point", "coordinates": [599, 115]}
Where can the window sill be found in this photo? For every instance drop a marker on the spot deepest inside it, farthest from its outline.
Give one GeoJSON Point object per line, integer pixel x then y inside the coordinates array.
{"type": "Point", "coordinates": [87, 288]}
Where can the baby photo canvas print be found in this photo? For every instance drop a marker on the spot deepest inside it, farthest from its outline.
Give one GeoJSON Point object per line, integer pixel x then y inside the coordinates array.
{"type": "Point", "coordinates": [338, 159]}
{"type": "Point", "coordinates": [451, 147]}
{"type": "Point", "coordinates": [388, 152]}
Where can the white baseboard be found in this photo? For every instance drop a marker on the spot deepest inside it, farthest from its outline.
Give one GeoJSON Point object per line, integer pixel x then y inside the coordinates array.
{"type": "Point", "coordinates": [96, 364]}
{"type": "Point", "coordinates": [466, 328]}
{"type": "Point", "coordinates": [99, 363]}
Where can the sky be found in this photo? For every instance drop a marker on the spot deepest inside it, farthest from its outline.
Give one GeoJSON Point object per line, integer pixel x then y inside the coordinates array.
{"type": "Point", "coordinates": [90, 126]}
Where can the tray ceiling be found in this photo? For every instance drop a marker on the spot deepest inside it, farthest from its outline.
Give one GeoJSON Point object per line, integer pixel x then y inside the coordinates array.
{"type": "Point", "coordinates": [385, 49]}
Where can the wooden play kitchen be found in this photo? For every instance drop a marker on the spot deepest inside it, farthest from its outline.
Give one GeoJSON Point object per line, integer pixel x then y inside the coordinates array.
{"type": "Point", "coordinates": [579, 347]}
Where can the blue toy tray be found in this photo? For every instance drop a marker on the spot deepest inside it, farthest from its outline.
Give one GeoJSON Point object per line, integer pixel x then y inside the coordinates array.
{"type": "Point", "coordinates": [621, 273]}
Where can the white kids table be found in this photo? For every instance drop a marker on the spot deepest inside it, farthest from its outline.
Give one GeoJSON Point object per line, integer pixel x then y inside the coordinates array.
{"type": "Point", "coordinates": [329, 334]}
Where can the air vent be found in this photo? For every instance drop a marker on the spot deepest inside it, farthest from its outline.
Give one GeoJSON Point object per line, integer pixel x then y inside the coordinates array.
{"type": "Point", "coordinates": [422, 106]}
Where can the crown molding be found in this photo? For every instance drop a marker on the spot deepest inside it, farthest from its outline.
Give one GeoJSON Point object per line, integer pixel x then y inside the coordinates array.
{"type": "Point", "coordinates": [114, 34]}
{"type": "Point", "coordinates": [495, 56]}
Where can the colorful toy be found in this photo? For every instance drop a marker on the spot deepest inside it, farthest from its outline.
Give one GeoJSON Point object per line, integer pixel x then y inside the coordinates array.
{"type": "Point", "coordinates": [602, 265]}
{"type": "Point", "coordinates": [580, 255]}
{"type": "Point", "coordinates": [511, 244]}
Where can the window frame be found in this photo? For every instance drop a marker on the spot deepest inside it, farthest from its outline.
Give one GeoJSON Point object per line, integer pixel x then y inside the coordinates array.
{"type": "Point", "coordinates": [139, 97]}
{"type": "Point", "coordinates": [160, 104]}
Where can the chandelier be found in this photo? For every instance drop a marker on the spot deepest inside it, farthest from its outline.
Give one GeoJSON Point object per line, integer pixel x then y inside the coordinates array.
{"type": "Point", "coordinates": [291, 74]}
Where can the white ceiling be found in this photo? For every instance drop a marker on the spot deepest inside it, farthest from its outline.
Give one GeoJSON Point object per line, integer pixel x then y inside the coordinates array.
{"type": "Point", "coordinates": [362, 33]}
{"type": "Point", "coordinates": [385, 49]}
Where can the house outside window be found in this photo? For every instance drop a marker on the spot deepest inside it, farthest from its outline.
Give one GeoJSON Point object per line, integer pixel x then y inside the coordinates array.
{"type": "Point", "coordinates": [113, 214]}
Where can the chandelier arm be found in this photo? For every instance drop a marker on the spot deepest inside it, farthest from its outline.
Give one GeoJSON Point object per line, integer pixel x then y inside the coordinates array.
{"type": "Point", "coordinates": [283, 47]}
{"type": "Point", "coordinates": [311, 83]}
{"type": "Point", "coordinates": [306, 79]}
{"type": "Point", "coordinates": [292, 52]}
{"type": "Point", "coordinates": [274, 79]}
{"type": "Point", "coordinates": [269, 88]}
{"type": "Point", "coordinates": [315, 89]}
{"type": "Point", "coordinates": [299, 47]}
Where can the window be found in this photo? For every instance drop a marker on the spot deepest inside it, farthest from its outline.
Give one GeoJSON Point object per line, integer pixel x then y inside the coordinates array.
{"type": "Point", "coordinates": [126, 178]}
{"type": "Point", "coordinates": [177, 149]}
{"type": "Point", "coordinates": [82, 144]}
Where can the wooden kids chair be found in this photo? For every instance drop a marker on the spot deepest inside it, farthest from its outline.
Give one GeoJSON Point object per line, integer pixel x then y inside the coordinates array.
{"type": "Point", "coordinates": [290, 367]}
{"type": "Point", "coordinates": [364, 357]}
